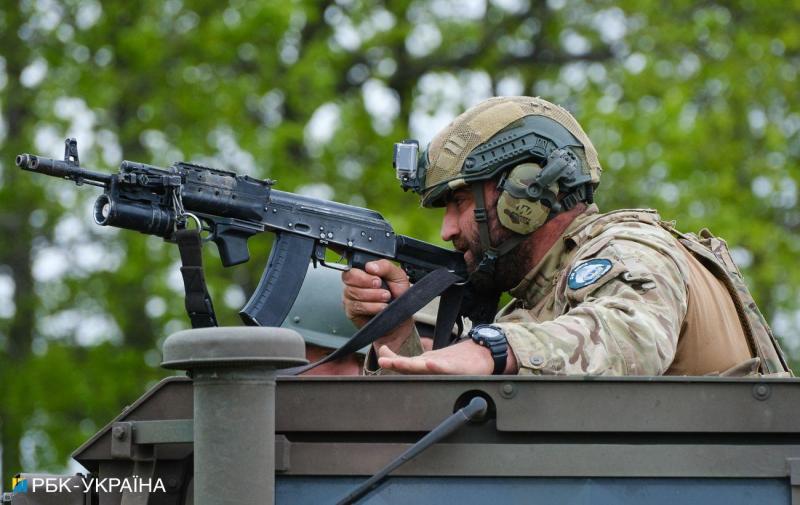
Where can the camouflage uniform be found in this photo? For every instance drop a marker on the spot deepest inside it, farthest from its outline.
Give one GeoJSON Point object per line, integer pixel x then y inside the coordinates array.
{"type": "Point", "coordinates": [625, 323]}
{"type": "Point", "coordinates": [621, 293]}
{"type": "Point", "coordinates": [628, 322]}
{"type": "Point", "coordinates": [637, 318]}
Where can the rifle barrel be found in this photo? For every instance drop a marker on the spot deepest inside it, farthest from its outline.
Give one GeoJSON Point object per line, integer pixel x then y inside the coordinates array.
{"type": "Point", "coordinates": [61, 169]}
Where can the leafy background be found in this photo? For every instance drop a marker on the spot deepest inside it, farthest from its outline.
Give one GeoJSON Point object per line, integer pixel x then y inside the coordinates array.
{"type": "Point", "coordinates": [693, 107]}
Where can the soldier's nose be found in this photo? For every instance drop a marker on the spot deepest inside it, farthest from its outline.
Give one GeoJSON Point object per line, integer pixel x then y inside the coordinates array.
{"type": "Point", "coordinates": [449, 229]}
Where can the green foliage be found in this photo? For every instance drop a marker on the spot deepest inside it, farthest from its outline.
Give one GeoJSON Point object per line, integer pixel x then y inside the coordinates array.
{"type": "Point", "coordinates": [67, 393]}
{"type": "Point", "coordinates": [692, 107]}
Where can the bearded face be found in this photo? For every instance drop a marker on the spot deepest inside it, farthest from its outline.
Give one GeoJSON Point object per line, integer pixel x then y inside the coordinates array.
{"type": "Point", "coordinates": [461, 228]}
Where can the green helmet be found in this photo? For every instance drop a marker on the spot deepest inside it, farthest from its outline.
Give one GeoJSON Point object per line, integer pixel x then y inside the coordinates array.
{"type": "Point", "coordinates": [317, 313]}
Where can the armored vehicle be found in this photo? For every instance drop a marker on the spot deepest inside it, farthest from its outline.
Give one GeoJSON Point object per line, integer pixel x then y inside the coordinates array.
{"type": "Point", "coordinates": [234, 432]}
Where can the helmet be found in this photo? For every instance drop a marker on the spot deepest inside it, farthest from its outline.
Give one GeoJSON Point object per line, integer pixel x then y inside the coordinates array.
{"type": "Point", "coordinates": [500, 133]}
{"type": "Point", "coordinates": [317, 313]}
{"type": "Point", "coordinates": [536, 149]}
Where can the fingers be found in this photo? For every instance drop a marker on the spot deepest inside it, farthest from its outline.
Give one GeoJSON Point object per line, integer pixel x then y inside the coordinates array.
{"type": "Point", "coordinates": [388, 360]}
{"type": "Point", "coordinates": [386, 270]}
{"type": "Point", "coordinates": [375, 272]}
{"type": "Point", "coordinates": [395, 277]}
{"type": "Point", "coordinates": [417, 365]}
{"type": "Point", "coordinates": [364, 293]}
{"type": "Point", "coordinates": [363, 297]}
{"type": "Point", "coordinates": [367, 294]}
{"type": "Point", "coordinates": [465, 358]}
{"type": "Point", "coordinates": [359, 278]}
{"type": "Point", "coordinates": [361, 310]}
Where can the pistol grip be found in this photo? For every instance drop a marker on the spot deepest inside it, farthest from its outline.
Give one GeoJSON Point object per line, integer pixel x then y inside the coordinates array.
{"type": "Point", "coordinates": [231, 241]}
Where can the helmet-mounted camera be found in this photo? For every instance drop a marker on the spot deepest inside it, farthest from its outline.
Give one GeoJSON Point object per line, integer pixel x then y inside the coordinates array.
{"type": "Point", "coordinates": [406, 162]}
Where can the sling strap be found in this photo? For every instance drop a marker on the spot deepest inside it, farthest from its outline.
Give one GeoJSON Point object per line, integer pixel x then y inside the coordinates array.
{"type": "Point", "coordinates": [200, 308]}
{"type": "Point", "coordinates": [198, 300]}
{"type": "Point", "coordinates": [446, 317]}
{"type": "Point", "coordinates": [399, 310]}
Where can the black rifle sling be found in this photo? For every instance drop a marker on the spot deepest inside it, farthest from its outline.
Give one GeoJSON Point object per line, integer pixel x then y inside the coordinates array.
{"type": "Point", "coordinates": [198, 301]}
{"type": "Point", "coordinates": [400, 309]}
{"type": "Point", "coordinates": [449, 307]}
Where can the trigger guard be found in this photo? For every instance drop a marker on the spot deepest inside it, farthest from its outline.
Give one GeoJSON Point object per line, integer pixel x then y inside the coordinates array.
{"type": "Point", "coordinates": [339, 267]}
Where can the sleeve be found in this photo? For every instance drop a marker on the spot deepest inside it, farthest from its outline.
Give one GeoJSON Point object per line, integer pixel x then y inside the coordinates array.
{"type": "Point", "coordinates": [625, 306]}
{"type": "Point", "coordinates": [411, 347]}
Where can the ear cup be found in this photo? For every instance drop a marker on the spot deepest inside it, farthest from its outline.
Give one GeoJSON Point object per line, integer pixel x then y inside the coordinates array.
{"type": "Point", "coordinates": [515, 210]}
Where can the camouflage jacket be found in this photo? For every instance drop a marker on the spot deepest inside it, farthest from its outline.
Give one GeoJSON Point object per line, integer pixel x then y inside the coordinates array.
{"type": "Point", "coordinates": [612, 304]}
{"type": "Point", "coordinates": [621, 293]}
{"type": "Point", "coordinates": [611, 298]}
{"type": "Point", "coordinates": [555, 329]}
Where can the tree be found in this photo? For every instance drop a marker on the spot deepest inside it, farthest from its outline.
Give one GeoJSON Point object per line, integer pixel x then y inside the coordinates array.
{"type": "Point", "coordinates": [692, 107]}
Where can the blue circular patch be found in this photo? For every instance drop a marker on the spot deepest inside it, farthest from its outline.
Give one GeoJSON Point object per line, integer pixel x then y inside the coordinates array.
{"type": "Point", "coordinates": [588, 272]}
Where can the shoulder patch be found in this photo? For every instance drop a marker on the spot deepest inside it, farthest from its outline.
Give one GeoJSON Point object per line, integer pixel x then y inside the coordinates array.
{"type": "Point", "coordinates": [588, 272]}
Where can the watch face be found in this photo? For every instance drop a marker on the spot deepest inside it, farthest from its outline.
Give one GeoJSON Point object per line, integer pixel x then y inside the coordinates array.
{"type": "Point", "coordinates": [488, 332]}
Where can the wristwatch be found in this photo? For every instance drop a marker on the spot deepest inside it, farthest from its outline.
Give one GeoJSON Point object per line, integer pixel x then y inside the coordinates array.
{"type": "Point", "coordinates": [495, 340]}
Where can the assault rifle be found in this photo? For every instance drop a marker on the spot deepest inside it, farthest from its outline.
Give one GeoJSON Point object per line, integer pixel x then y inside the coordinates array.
{"type": "Point", "coordinates": [231, 208]}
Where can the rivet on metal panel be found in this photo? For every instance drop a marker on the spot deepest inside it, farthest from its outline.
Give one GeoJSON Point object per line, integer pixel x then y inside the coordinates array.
{"type": "Point", "coordinates": [761, 392]}
{"type": "Point", "coordinates": [122, 440]}
{"type": "Point", "coordinates": [508, 391]}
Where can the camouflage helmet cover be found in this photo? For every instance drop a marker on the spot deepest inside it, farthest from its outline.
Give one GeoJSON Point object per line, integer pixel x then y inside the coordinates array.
{"type": "Point", "coordinates": [447, 152]}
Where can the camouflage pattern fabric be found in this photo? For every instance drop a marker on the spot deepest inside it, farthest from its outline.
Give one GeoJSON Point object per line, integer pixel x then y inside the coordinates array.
{"type": "Point", "coordinates": [625, 312]}
{"type": "Point", "coordinates": [451, 146]}
{"type": "Point", "coordinates": [619, 325]}
{"type": "Point", "coordinates": [627, 321]}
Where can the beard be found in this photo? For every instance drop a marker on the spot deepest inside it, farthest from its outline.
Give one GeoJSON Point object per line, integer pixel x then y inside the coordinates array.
{"type": "Point", "coordinates": [510, 267]}
{"type": "Point", "coordinates": [483, 292]}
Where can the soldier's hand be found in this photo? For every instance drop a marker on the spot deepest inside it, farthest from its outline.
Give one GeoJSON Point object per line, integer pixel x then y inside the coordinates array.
{"type": "Point", "coordinates": [464, 358]}
{"type": "Point", "coordinates": [364, 296]}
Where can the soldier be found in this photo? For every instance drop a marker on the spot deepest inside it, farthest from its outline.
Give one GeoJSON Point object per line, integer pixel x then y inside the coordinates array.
{"type": "Point", "coordinates": [620, 293]}
{"type": "Point", "coordinates": [317, 315]}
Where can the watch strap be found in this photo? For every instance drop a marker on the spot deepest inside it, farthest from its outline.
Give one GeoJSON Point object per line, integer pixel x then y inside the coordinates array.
{"type": "Point", "coordinates": [497, 345]}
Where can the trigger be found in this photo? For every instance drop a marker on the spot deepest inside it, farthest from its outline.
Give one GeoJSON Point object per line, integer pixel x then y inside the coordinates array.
{"type": "Point", "coordinates": [319, 257]}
